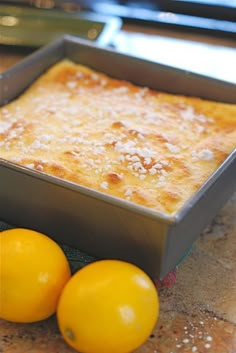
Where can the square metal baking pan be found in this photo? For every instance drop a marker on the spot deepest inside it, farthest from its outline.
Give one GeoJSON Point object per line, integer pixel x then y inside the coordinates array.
{"type": "Point", "coordinates": [100, 224]}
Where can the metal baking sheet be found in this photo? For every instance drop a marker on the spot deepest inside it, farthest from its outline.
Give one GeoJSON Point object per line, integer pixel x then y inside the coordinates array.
{"type": "Point", "coordinates": [31, 27]}
{"type": "Point", "coordinates": [100, 224]}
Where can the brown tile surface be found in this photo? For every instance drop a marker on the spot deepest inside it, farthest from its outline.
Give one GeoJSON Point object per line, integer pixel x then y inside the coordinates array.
{"type": "Point", "coordinates": [197, 313]}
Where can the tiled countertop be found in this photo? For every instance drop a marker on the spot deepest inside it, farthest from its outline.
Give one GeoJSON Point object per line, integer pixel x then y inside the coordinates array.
{"type": "Point", "coordinates": [198, 312]}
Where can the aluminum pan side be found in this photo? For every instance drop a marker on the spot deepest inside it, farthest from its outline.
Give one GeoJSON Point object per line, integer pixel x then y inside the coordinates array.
{"type": "Point", "coordinates": [127, 67]}
{"type": "Point", "coordinates": [198, 212]}
{"type": "Point", "coordinates": [136, 208]}
{"type": "Point", "coordinates": [78, 219]}
{"type": "Point", "coordinates": [146, 73]}
{"type": "Point", "coordinates": [15, 80]}
{"type": "Point", "coordinates": [225, 172]}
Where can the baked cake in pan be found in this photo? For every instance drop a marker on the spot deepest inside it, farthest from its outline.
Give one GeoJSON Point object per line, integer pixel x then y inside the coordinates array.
{"type": "Point", "coordinates": [148, 147]}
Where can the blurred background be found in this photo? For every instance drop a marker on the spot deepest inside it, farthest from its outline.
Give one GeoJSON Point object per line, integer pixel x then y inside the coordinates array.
{"type": "Point", "coordinates": [206, 15]}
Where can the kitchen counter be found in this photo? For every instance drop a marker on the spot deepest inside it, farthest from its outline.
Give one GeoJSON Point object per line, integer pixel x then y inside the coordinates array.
{"type": "Point", "coordinates": [198, 311]}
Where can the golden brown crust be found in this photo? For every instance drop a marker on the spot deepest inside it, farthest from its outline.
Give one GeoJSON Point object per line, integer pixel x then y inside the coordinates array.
{"type": "Point", "coordinates": [148, 147]}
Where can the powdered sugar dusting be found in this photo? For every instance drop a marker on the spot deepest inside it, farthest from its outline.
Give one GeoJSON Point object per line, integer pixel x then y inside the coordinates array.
{"type": "Point", "coordinates": [104, 185]}
{"type": "Point", "coordinates": [172, 148]}
{"type": "Point", "coordinates": [204, 155]}
{"type": "Point", "coordinates": [4, 126]}
{"type": "Point", "coordinates": [194, 337]}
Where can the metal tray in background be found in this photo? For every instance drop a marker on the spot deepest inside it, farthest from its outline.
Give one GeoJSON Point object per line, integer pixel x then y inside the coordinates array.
{"type": "Point", "coordinates": [100, 224]}
{"type": "Point", "coordinates": [31, 27]}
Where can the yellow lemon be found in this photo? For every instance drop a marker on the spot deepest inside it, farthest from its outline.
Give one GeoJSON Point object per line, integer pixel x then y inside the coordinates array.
{"type": "Point", "coordinates": [108, 306]}
{"type": "Point", "coordinates": [33, 272]}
